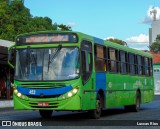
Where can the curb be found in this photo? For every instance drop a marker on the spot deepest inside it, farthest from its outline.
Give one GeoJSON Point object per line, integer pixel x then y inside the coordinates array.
{"type": "Point", "coordinates": [6, 103]}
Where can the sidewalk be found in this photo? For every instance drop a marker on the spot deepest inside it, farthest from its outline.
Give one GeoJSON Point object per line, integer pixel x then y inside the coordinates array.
{"type": "Point", "coordinates": [6, 103]}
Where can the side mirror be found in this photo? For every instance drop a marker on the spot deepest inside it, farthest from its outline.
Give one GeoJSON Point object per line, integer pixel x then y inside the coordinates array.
{"type": "Point", "coordinates": [11, 56]}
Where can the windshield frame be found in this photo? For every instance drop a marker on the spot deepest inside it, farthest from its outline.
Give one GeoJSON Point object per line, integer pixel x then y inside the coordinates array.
{"type": "Point", "coordinates": [42, 80]}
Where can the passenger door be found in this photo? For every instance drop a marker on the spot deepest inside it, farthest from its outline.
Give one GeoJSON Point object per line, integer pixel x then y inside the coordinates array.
{"type": "Point", "coordinates": [88, 97]}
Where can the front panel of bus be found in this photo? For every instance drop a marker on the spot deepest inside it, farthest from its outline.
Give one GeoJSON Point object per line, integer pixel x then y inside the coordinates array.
{"type": "Point", "coordinates": [47, 72]}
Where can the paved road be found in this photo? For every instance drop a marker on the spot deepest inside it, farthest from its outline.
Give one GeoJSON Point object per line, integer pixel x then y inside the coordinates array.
{"type": "Point", "coordinates": [149, 112]}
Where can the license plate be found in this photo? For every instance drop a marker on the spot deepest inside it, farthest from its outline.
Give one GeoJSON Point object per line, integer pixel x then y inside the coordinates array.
{"type": "Point", "coordinates": [43, 104]}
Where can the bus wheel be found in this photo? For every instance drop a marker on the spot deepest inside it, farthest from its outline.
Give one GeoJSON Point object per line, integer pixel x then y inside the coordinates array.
{"type": "Point", "coordinates": [45, 113]}
{"type": "Point", "coordinates": [136, 106]}
{"type": "Point", "coordinates": [96, 113]}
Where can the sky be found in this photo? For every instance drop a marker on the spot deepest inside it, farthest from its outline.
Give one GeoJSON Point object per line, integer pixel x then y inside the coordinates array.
{"type": "Point", "coordinates": [128, 20]}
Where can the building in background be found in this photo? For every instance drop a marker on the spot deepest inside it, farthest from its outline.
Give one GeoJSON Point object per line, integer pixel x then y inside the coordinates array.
{"type": "Point", "coordinates": [155, 27]}
{"type": "Point", "coordinates": [6, 74]}
{"type": "Point", "coordinates": [156, 72]}
{"type": "Point", "coordinates": [154, 31]}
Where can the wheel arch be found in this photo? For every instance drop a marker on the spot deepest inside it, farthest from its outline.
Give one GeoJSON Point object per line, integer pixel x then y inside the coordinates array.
{"type": "Point", "coordinates": [102, 94]}
{"type": "Point", "coordinates": [139, 91]}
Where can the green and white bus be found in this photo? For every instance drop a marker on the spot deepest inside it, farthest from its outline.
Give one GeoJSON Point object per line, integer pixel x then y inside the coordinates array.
{"type": "Point", "coordinates": [65, 70]}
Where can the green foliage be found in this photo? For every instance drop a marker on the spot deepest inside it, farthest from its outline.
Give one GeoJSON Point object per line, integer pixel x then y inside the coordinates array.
{"type": "Point", "coordinates": [16, 19]}
{"type": "Point", "coordinates": [64, 27]}
{"type": "Point", "coordinates": [155, 47]}
{"type": "Point", "coordinates": [118, 41]}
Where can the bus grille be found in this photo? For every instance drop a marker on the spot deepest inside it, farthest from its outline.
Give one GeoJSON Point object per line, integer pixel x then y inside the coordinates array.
{"type": "Point", "coordinates": [43, 86]}
{"type": "Point", "coordinates": [37, 97]}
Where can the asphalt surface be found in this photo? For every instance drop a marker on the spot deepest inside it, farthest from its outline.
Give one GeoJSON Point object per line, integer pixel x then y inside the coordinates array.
{"type": "Point", "coordinates": [147, 117]}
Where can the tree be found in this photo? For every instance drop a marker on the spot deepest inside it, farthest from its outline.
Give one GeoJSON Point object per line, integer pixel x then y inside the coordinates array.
{"type": "Point", "coordinates": [64, 27]}
{"type": "Point", "coordinates": [16, 19]}
{"type": "Point", "coordinates": [118, 41]}
{"type": "Point", "coordinates": [155, 47]}
{"type": "Point", "coordinates": [13, 20]}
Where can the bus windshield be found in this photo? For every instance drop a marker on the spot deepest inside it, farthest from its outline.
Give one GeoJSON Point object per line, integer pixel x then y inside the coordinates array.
{"type": "Point", "coordinates": [47, 64]}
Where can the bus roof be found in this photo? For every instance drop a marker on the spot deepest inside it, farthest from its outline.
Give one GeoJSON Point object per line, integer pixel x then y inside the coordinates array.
{"type": "Point", "coordinates": [115, 45]}
{"type": "Point", "coordinates": [127, 49]}
{"type": "Point", "coordinates": [97, 41]}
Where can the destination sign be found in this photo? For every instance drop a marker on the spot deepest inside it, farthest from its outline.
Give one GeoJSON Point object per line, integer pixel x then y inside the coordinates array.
{"type": "Point", "coordinates": [47, 38]}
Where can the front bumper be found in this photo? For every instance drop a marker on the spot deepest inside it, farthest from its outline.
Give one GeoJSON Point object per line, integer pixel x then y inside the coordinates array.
{"type": "Point", "coordinates": [72, 103]}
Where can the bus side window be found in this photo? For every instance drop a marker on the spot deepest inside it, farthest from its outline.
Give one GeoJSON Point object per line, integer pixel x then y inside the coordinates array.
{"type": "Point", "coordinates": [135, 64]}
{"type": "Point", "coordinates": [150, 67]}
{"type": "Point", "coordinates": [83, 57]}
{"type": "Point", "coordinates": [140, 67]}
{"type": "Point", "coordinates": [100, 58]}
{"type": "Point", "coordinates": [146, 66]}
{"type": "Point", "coordinates": [86, 60]}
{"type": "Point", "coordinates": [113, 60]}
{"type": "Point", "coordinates": [86, 57]}
{"type": "Point", "coordinates": [123, 62]}
{"type": "Point", "coordinates": [132, 67]}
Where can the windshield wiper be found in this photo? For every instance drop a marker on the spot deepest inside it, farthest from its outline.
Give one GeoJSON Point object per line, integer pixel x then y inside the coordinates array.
{"type": "Point", "coordinates": [54, 55]}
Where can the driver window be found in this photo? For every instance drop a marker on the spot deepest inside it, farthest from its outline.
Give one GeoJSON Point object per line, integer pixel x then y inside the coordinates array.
{"type": "Point", "coordinates": [86, 57]}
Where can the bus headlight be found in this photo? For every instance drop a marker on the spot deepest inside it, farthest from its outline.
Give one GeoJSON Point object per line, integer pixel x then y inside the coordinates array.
{"type": "Point", "coordinates": [15, 91]}
{"type": "Point", "coordinates": [70, 93]}
{"type": "Point", "coordinates": [19, 95]}
{"type": "Point", "coordinates": [75, 91]}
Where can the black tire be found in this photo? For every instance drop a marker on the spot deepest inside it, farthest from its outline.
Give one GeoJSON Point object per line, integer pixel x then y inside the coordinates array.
{"type": "Point", "coordinates": [136, 106]}
{"type": "Point", "coordinates": [45, 113]}
{"type": "Point", "coordinates": [128, 108]}
{"type": "Point", "coordinates": [96, 113]}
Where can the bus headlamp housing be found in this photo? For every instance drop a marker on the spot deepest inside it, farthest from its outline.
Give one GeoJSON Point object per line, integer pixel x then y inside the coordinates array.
{"type": "Point", "coordinates": [70, 93]}
{"type": "Point", "coordinates": [15, 91]}
{"type": "Point", "coordinates": [19, 95]}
